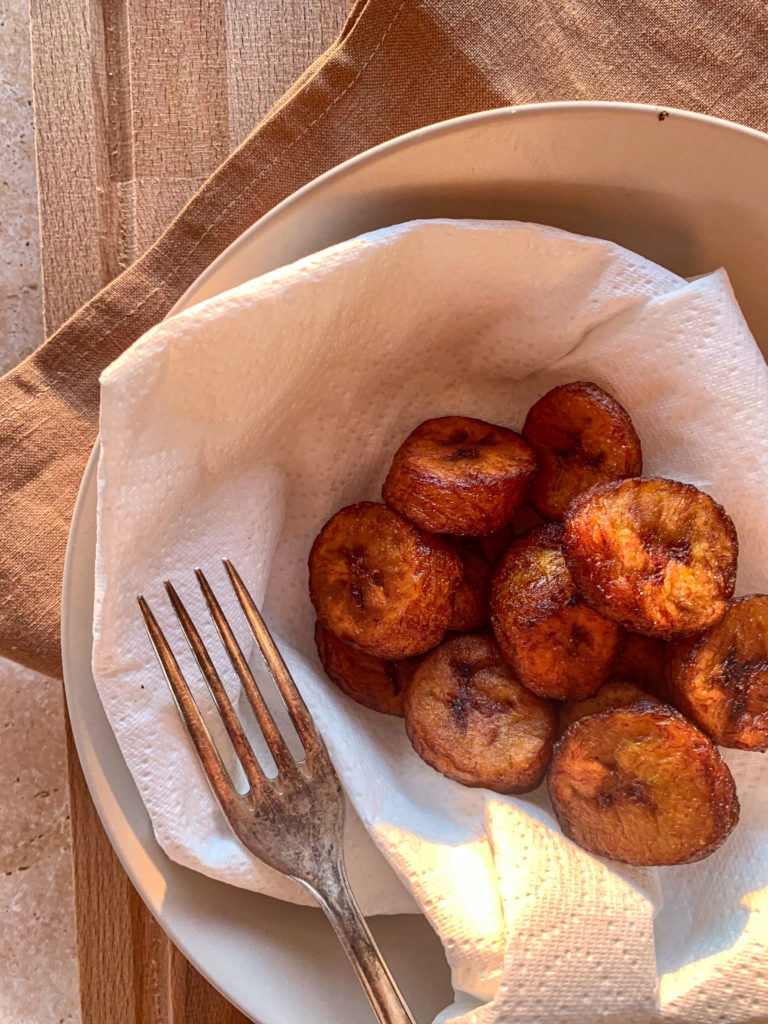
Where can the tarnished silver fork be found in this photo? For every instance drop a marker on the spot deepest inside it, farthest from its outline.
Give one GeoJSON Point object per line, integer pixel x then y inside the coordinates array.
{"type": "Point", "coordinates": [294, 822]}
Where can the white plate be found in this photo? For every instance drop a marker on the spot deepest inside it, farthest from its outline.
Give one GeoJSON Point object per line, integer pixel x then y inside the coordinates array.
{"type": "Point", "coordinates": [684, 190]}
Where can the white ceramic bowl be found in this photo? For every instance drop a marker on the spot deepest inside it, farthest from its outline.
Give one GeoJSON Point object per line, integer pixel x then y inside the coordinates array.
{"type": "Point", "coordinates": [686, 191]}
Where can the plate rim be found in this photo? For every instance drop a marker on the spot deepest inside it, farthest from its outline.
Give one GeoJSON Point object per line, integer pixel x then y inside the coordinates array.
{"type": "Point", "coordinates": [518, 111]}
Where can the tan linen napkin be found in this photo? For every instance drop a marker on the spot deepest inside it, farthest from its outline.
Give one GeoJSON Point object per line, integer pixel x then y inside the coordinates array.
{"type": "Point", "coordinates": [397, 65]}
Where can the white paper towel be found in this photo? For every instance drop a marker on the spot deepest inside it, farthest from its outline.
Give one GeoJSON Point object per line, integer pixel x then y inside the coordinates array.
{"type": "Point", "coordinates": [238, 427]}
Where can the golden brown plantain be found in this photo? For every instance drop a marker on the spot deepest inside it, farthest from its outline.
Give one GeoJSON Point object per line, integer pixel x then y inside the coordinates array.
{"type": "Point", "coordinates": [468, 716]}
{"type": "Point", "coordinates": [720, 679]}
{"type": "Point", "coordinates": [380, 582]}
{"type": "Point", "coordinates": [655, 555]}
{"type": "Point", "coordinates": [470, 606]}
{"type": "Point", "coordinates": [460, 476]}
{"type": "Point", "coordinates": [616, 693]}
{"type": "Point", "coordinates": [642, 785]}
{"type": "Point", "coordinates": [583, 437]}
{"type": "Point", "coordinates": [375, 683]}
{"type": "Point", "coordinates": [641, 660]}
{"type": "Point", "coordinates": [557, 646]}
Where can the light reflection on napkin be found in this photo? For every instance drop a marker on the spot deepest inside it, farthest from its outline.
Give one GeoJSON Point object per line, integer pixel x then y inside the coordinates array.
{"type": "Point", "coordinates": [238, 427]}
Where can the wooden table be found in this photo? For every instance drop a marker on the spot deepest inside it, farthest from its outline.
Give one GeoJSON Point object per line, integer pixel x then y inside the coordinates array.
{"type": "Point", "coordinates": [136, 102]}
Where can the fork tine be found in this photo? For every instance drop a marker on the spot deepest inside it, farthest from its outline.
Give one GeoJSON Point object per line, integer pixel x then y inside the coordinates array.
{"type": "Point", "coordinates": [294, 702]}
{"type": "Point", "coordinates": [240, 742]}
{"type": "Point", "coordinates": [213, 766]}
{"type": "Point", "coordinates": [275, 741]}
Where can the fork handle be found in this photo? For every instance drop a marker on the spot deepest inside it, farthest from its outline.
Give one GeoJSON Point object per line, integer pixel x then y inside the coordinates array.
{"type": "Point", "coordinates": [337, 900]}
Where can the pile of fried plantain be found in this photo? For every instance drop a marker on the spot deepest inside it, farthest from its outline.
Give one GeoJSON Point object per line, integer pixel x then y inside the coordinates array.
{"type": "Point", "coordinates": [604, 644]}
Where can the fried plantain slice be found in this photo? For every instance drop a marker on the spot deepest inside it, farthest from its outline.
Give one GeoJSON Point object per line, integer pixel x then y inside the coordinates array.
{"type": "Point", "coordinates": [720, 679]}
{"type": "Point", "coordinates": [616, 693]}
{"type": "Point", "coordinates": [380, 582]}
{"type": "Point", "coordinates": [375, 683]}
{"type": "Point", "coordinates": [470, 606]}
{"type": "Point", "coordinates": [468, 716]}
{"type": "Point", "coordinates": [656, 555]}
{"type": "Point", "coordinates": [642, 785]}
{"type": "Point", "coordinates": [557, 646]}
{"type": "Point", "coordinates": [583, 437]}
{"type": "Point", "coordinates": [641, 660]}
{"type": "Point", "coordinates": [460, 476]}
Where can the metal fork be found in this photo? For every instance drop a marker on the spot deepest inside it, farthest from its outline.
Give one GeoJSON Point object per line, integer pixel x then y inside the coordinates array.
{"type": "Point", "coordinates": [294, 822]}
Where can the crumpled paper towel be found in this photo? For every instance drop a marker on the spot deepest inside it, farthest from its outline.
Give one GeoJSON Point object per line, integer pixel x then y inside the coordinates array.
{"type": "Point", "coordinates": [238, 427]}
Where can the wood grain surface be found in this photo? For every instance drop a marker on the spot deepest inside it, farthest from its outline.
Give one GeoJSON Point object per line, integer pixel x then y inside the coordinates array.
{"type": "Point", "coordinates": [136, 102]}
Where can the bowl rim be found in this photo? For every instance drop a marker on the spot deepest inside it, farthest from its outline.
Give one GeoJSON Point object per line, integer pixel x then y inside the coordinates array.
{"type": "Point", "coordinates": [521, 110]}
